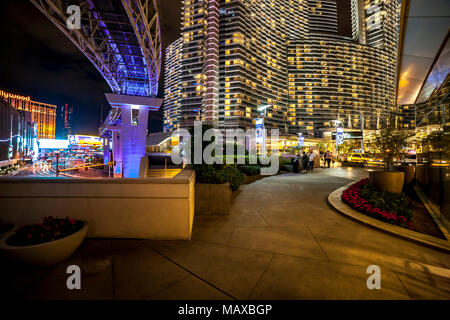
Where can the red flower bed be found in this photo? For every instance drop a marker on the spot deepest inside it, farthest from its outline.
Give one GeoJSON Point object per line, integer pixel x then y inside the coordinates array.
{"type": "Point", "coordinates": [353, 198]}
{"type": "Point", "coordinates": [49, 230]}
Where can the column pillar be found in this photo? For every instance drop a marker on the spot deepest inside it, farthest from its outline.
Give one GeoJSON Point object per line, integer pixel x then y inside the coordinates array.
{"type": "Point", "coordinates": [117, 154]}
{"type": "Point", "coordinates": [134, 139]}
{"type": "Point", "coordinates": [130, 141]}
{"type": "Point", "coordinates": [106, 153]}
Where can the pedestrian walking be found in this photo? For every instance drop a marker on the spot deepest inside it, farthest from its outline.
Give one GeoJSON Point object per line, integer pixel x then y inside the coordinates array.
{"type": "Point", "coordinates": [312, 156]}
{"type": "Point", "coordinates": [305, 161]}
{"type": "Point", "coordinates": [296, 163]}
{"type": "Point", "coordinates": [328, 157]}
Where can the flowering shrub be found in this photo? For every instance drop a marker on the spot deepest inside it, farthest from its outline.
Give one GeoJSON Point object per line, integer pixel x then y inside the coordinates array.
{"type": "Point", "coordinates": [50, 229]}
{"type": "Point", "coordinates": [353, 196]}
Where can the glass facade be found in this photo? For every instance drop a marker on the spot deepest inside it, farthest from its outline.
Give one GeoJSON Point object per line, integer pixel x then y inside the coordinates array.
{"type": "Point", "coordinates": [291, 55]}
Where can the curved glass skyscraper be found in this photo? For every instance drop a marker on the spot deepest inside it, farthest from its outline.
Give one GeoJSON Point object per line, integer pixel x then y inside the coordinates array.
{"type": "Point", "coordinates": [311, 61]}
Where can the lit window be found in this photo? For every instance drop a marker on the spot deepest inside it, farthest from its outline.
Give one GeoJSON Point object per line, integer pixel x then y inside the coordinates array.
{"type": "Point", "coordinates": [135, 116]}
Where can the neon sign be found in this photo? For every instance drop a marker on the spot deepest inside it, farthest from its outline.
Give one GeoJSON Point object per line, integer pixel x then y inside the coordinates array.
{"type": "Point", "coordinates": [85, 140]}
{"type": "Point", "coordinates": [7, 95]}
{"type": "Point", "coordinates": [53, 144]}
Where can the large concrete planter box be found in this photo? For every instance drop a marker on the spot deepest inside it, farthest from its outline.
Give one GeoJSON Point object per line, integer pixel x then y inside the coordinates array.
{"type": "Point", "coordinates": [251, 179]}
{"type": "Point", "coordinates": [44, 254]}
{"type": "Point", "coordinates": [390, 181]}
{"type": "Point", "coordinates": [150, 208]}
{"type": "Point", "coordinates": [410, 172]}
{"type": "Point", "coordinates": [212, 199]}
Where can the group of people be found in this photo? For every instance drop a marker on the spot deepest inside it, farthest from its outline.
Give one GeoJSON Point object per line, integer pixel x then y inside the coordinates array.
{"type": "Point", "coordinates": [305, 161]}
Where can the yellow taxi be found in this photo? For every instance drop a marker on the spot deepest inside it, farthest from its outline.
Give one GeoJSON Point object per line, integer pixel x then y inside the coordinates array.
{"type": "Point", "coordinates": [365, 159]}
{"type": "Point", "coordinates": [357, 158]}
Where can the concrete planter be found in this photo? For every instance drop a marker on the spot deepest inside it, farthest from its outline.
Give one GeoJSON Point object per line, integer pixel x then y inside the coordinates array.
{"type": "Point", "coordinates": [410, 172]}
{"type": "Point", "coordinates": [390, 181]}
{"type": "Point", "coordinates": [44, 254]}
{"type": "Point", "coordinates": [251, 179]}
{"type": "Point", "coordinates": [212, 199]}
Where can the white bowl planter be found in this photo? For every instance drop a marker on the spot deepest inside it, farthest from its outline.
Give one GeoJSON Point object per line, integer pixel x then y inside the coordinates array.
{"type": "Point", "coordinates": [3, 234]}
{"type": "Point", "coordinates": [47, 253]}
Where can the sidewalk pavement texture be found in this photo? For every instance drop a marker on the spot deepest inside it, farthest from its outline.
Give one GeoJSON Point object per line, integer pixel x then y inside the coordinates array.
{"type": "Point", "coordinates": [281, 241]}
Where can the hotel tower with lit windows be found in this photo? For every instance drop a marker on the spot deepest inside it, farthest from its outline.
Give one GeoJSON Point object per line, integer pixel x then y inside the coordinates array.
{"type": "Point", "coordinates": [312, 61]}
{"type": "Point", "coordinates": [172, 89]}
{"type": "Point", "coordinates": [43, 114]}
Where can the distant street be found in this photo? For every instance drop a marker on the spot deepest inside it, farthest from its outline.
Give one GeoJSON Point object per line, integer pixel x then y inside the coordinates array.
{"type": "Point", "coordinates": [41, 169]}
{"type": "Point", "coordinates": [38, 169]}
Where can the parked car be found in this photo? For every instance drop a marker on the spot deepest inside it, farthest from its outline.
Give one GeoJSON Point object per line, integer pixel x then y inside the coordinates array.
{"type": "Point", "coordinates": [375, 160]}
{"type": "Point", "coordinates": [358, 158]}
{"type": "Point", "coordinates": [364, 158]}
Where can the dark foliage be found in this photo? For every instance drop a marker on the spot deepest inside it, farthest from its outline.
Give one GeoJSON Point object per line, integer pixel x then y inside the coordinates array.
{"type": "Point", "coordinates": [50, 229]}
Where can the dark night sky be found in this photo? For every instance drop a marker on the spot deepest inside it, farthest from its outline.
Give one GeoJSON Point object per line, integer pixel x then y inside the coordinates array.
{"type": "Point", "coordinates": [37, 60]}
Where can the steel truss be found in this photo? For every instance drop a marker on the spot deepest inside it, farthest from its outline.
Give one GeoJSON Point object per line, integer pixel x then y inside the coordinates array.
{"type": "Point", "coordinates": [120, 37]}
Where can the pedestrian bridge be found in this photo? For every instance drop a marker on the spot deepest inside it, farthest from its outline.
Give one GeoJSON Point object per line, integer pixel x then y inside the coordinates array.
{"type": "Point", "coordinates": [122, 39]}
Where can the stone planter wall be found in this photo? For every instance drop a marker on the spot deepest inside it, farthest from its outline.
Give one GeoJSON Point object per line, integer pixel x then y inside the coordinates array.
{"type": "Point", "coordinates": [212, 199]}
{"type": "Point", "coordinates": [410, 172]}
{"type": "Point", "coordinates": [390, 181]}
{"type": "Point", "coordinates": [152, 208]}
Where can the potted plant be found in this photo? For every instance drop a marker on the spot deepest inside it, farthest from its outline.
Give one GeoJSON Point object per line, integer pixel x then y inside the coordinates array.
{"type": "Point", "coordinates": [389, 142]}
{"type": "Point", "coordinates": [44, 244]}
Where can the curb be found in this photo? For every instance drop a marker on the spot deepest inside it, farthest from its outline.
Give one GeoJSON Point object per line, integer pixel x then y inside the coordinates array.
{"type": "Point", "coordinates": [334, 199]}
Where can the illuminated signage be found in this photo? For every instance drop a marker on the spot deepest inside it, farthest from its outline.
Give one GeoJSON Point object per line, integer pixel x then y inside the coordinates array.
{"type": "Point", "coordinates": [7, 95]}
{"type": "Point", "coordinates": [339, 136]}
{"type": "Point", "coordinates": [85, 140]}
{"type": "Point", "coordinates": [53, 143]}
{"type": "Point", "coordinates": [349, 135]}
{"type": "Point", "coordinates": [301, 141]}
{"type": "Point", "coordinates": [259, 130]}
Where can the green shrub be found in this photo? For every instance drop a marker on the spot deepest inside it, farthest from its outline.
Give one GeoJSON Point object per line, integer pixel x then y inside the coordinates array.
{"type": "Point", "coordinates": [219, 174]}
{"type": "Point", "coordinates": [285, 161]}
{"type": "Point", "coordinates": [250, 170]}
{"type": "Point", "coordinates": [205, 173]}
{"type": "Point", "coordinates": [398, 203]}
{"type": "Point", "coordinates": [234, 176]}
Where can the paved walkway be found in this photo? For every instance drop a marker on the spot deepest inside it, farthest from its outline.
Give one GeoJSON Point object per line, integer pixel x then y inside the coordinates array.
{"type": "Point", "coordinates": [282, 241]}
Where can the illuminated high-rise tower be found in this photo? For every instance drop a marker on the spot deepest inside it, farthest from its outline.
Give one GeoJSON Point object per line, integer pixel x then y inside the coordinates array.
{"type": "Point", "coordinates": [323, 16]}
{"type": "Point", "coordinates": [172, 89]}
{"type": "Point", "coordinates": [200, 62]}
{"type": "Point", "coordinates": [311, 61]}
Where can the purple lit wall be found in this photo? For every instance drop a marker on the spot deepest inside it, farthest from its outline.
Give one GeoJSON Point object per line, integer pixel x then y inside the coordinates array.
{"type": "Point", "coordinates": [130, 136]}
{"type": "Point", "coordinates": [134, 141]}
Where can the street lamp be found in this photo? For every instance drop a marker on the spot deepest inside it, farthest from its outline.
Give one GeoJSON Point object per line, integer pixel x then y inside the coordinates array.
{"type": "Point", "coordinates": [263, 109]}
